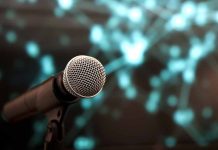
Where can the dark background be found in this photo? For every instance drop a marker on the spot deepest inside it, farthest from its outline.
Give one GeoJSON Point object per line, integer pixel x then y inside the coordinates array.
{"type": "Point", "coordinates": [115, 122]}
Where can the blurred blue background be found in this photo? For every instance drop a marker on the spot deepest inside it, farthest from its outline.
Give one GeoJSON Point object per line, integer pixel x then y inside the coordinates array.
{"type": "Point", "coordinates": [161, 63]}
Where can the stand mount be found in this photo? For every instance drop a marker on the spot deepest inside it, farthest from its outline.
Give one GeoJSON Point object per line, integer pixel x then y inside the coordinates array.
{"type": "Point", "coordinates": [55, 129]}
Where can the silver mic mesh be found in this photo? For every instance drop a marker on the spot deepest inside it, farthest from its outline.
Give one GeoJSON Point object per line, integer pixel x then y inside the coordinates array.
{"type": "Point", "coordinates": [84, 76]}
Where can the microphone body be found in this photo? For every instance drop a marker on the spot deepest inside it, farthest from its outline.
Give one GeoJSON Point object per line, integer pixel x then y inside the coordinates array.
{"type": "Point", "coordinates": [84, 76]}
{"type": "Point", "coordinates": [42, 98]}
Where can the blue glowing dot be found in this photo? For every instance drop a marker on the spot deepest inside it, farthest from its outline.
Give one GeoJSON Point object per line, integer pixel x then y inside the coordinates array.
{"type": "Point", "coordinates": [175, 51]}
{"type": "Point", "coordinates": [176, 65]}
{"type": "Point", "coordinates": [165, 75]}
{"type": "Point", "coordinates": [119, 9]}
{"type": "Point", "coordinates": [80, 121]}
{"type": "Point", "coordinates": [97, 34]}
{"type": "Point", "coordinates": [207, 112]}
{"type": "Point", "coordinates": [32, 49]}
{"type": "Point", "coordinates": [201, 18]}
{"type": "Point", "coordinates": [66, 4]}
{"type": "Point", "coordinates": [189, 76]}
{"type": "Point", "coordinates": [11, 37]}
{"type": "Point", "coordinates": [135, 14]}
{"type": "Point", "coordinates": [131, 92]}
{"type": "Point", "coordinates": [178, 22]}
{"type": "Point", "coordinates": [150, 4]}
{"type": "Point", "coordinates": [134, 50]}
{"type": "Point", "coordinates": [170, 142]}
{"type": "Point", "coordinates": [47, 65]}
{"type": "Point", "coordinates": [188, 9]}
{"type": "Point", "coordinates": [124, 79]}
{"type": "Point", "coordinates": [183, 117]}
{"type": "Point", "coordinates": [152, 103]}
{"type": "Point", "coordinates": [155, 81]}
{"type": "Point", "coordinates": [215, 16]}
{"type": "Point", "coordinates": [86, 104]}
{"type": "Point", "coordinates": [196, 51]}
{"type": "Point", "coordinates": [172, 100]}
{"type": "Point", "coordinates": [84, 143]}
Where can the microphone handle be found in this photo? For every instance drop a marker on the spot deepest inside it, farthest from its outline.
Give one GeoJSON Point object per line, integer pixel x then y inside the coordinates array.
{"type": "Point", "coordinates": [39, 99]}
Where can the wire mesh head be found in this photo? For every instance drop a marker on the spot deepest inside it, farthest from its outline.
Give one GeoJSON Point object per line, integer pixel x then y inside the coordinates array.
{"type": "Point", "coordinates": [84, 76]}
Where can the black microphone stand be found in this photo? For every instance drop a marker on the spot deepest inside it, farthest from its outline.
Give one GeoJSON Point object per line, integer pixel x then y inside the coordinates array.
{"type": "Point", "coordinates": [55, 129]}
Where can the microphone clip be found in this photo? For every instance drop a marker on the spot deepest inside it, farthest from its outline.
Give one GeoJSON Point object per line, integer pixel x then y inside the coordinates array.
{"type": "Point", "coordinates": [55, 128]}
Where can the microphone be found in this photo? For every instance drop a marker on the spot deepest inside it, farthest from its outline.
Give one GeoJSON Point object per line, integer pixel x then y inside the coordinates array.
{"type": "Point", "coordinates": [83, 77]}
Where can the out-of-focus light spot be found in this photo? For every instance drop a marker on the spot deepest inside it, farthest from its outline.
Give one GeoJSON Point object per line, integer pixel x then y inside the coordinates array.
{"type": "Point", "coordinates": [80, 121]}
{"type": "Point", "coordinates": [175, 51]}
{"type": "Point", "coordinates": [176, 65]}
{"type": "Point", "coordinates": [47, 65]}
{"type": "Point", "coordinates": [201, 18]}
{"type": "Point", "coordinates": [131, 92]}
{"type": "Point", "coordinates": [134, 50]}
{"type": "Point", "coordinates": [209, 42]}
{"type": "Point", "coordinates": [183, 117]}
{"type": "Point", "coordinates": [86, 104]}
{"type": "Point", "coordinates": [165, 75]}
{"type": "Point", "coordinates": [170, 142]}
{"type": "Point", "coordinates": [155, 81]}
{"type": "Point", "coordinates": [188, 9]}
{"type": "Point", "coordinates": [66, 4]}
{"type": "Point", "coordinates": [150, 4]}
{"type": "Point", "coordinates": [196, 51]}
{"type": "Point", "coordinates": [207, 112]}
{"type": "Point", "coordinates": [189, 76]}
{"type": "Point", "coordinates": [178, 22]}
{"type": "Point", "coordinates": [215, 16]}
{"type": "Point", "coordinates": [153, 101]}
{"type": "Point", "coordinates": [97, 34]}
{"type": "Point", "coordinates": [32, 49]}
{"type": "Point", "coordinates": [119, 9]}
{"type": "Point", "coordinates": [172, 101]}
{"type": "Point", "coordinates": [65, 40]}
{"type": "Point", "coordinates": [135, 14]}
{"type": "Point", "coordinates": [11, 37]}
{"type": "Point", "coordinates": [58, 12]}
{"type": "Point", "coordinates": [84, 143]}
{"type": "Point", "coordinates": [124, 79]}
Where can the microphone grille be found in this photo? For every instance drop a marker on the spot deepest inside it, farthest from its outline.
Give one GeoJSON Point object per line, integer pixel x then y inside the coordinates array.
{"type": "Point", "coordinates": [84, 76]}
